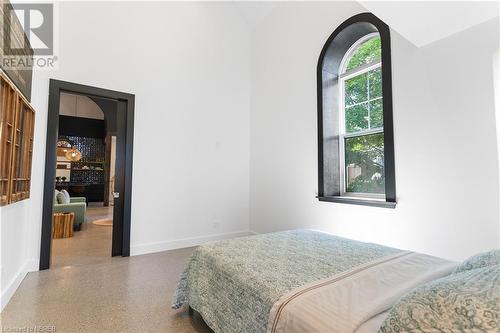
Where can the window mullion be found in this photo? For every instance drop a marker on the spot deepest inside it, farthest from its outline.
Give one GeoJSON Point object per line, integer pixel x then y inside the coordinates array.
{"type": "Point", "coordinates": [368, 101]}
{"type": "Point", "coordinates": [359, 103]}
{"type": "Point", "coordinates": [360, 70]}
{"type": "Point", "coordinates": [363, 133]}
{"type": "Point", "coordinates": [342, 132]}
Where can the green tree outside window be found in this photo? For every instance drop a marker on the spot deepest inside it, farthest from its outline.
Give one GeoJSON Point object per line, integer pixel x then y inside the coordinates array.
{"type": "Point", "coordinates": [363, 117]}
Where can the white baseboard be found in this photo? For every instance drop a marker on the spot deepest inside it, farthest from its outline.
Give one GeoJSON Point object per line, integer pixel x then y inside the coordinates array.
{"type": "Point", "coordinates": [32, 265]}
{"type": "Point", "coordinates": [136, 250]}
{"type": "Point", "coordinates": [28, 266]}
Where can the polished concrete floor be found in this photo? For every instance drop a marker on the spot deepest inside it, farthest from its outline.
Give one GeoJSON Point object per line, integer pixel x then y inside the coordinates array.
{"type": "Point", "coordinates": [86, 290]}
{"type": "Point", "coordinates": [90, 245]}
{"type": "Point", "coordinates": [130, 294]}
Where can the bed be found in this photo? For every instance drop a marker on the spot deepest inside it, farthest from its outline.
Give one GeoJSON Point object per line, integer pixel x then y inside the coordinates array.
{"type": "Point", "coordinates": [301, 281]}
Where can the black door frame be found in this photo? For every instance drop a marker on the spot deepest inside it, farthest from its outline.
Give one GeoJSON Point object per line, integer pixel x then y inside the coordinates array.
{"type": "Point", "coordinates": [55, 88]}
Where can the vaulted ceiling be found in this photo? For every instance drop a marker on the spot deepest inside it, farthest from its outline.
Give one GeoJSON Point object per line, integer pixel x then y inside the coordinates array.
{"type": "Point", "coordinates": [254, 11]}
{"type": "Point", "coordinates": [424, 22]}
{"type": "Point", "coordinates": [421, 22]}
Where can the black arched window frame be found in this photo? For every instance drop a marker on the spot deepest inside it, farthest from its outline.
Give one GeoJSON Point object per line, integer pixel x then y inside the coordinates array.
{"type": "Point", "coordinates": [333, 52]}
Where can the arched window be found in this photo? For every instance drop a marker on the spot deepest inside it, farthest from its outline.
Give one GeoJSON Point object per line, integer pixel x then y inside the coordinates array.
{"type": "Point", "coordinates": [356, 149]}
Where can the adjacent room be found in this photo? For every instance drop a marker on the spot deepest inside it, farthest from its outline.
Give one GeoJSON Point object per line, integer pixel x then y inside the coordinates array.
{"type": "Point", "coordinates": [84, 186]}
{"type": "Point", "coordinates": [250, 166]}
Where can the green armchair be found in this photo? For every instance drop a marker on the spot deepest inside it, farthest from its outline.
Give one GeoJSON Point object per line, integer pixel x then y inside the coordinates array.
{"type": "Point", "coordinates": [76, 205]}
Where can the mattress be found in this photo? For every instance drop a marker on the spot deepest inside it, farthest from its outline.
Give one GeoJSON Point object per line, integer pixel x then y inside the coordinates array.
{"type": "Point", "coordinates": [299, 281]}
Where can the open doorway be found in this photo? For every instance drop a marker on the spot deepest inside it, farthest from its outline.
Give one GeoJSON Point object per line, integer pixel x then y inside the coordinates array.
{"type": "Point", "coordinates": [85, 161]}
{"type": "Point", "coordinates": [88, 171]}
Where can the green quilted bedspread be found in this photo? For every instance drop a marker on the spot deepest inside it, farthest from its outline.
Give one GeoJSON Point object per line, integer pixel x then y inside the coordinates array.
{"type": "Point", "coordinates": [234, 283]}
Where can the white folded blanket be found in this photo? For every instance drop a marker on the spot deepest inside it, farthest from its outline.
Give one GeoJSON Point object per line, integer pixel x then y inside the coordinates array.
{"type": "Point", "coordinates": [344, 302]}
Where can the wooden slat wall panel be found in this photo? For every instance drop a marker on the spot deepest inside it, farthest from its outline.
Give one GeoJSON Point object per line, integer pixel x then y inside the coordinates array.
{"type": "Point", "coordinates": [16, 150]}
{"type": "Point", "coordinates": [17, 120]}
{"type": "Point", "coordinates": [8, 102]}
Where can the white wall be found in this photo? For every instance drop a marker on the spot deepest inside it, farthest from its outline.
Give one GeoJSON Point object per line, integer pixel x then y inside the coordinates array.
{"type": "Point", "coordinates": [445, 139]}
{"type": "Point", "coordinates": [188, 65]}
{"type": "Point", "coordinates": [15, 260]}
{"type": "Point", "coordinates": [496, 82]}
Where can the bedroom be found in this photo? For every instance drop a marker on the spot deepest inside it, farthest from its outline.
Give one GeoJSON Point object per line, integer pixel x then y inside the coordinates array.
{"type": "Point", "coordinates": [226, 142]}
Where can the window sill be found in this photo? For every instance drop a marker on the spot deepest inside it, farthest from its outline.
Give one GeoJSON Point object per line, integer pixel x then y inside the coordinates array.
{"type": "Point", "coordinates": [362, 202]}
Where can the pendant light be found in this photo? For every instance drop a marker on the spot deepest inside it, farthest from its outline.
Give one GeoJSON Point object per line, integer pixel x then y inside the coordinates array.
{"type": "Point", "coordinates": [73, 154]}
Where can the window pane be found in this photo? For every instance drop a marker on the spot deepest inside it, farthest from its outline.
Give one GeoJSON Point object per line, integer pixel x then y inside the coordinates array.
{"type": "Point", "coordinates": [375, 78]}
{"type": "Point", "coordinates": [356, 118]}
{"type": "Point", "coordinates": [366, 53]}
{"type": "Point", "coordinates": [364, 161]}
{"type": "Point", "coordinates": [356, 89]}
{"type": "Point", "coordinates": [376, 114]}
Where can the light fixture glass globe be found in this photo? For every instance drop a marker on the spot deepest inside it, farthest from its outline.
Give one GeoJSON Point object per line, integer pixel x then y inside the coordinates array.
{"type": "Point", "coordinates": [73, 154]}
